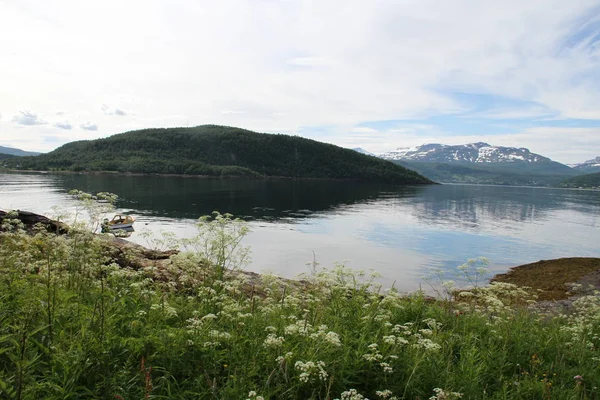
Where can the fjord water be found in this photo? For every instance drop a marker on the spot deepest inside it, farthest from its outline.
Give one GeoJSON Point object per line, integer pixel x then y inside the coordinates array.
{"type": "Point", "coordinates": [400, 232]}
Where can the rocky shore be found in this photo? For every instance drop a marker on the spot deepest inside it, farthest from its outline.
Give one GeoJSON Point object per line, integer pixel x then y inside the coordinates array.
{"type": "Point", "coordinates": [557, 282]}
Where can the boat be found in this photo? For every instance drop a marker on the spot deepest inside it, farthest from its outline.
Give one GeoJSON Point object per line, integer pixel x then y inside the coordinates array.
{"type": "Point", "coordinates": [118, 222]}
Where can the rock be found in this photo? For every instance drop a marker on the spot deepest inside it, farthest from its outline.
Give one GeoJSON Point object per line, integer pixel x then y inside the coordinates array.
{"type": "Point", "coordinates": [30, 219]}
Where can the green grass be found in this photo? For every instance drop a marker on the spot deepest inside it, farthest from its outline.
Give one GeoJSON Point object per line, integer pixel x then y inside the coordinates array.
{"type": "Point", "coordinates": [73, 325]}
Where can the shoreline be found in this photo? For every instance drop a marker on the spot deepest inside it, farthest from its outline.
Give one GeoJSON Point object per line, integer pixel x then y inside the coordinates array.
{"type": "Point", "coordinates": [556, 280]}
{"type": "Point", "coordinates": [553, 280]}
{"type": "Point", "coordinates": [252, 177]}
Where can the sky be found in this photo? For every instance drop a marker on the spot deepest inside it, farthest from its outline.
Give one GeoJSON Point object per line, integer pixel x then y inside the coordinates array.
{"type": "Point", "coordinates": [376, 74]}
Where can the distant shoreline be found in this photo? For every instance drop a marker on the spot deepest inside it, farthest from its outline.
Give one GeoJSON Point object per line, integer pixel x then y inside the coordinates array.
{"type": "Point", "coordinates": [259, 177]}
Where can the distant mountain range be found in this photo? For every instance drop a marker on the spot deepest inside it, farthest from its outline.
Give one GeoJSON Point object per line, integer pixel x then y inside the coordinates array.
{"type": "Point", "coordinates": [590, 166]}
{"type": "Point", "coordinates": [469, 153]}
{"type": "Point", "coordinates": [17, 152]}
{"type": "Point", "coordinates": [482, 163]}
{"type": "Point", "coordinates": [363, 151]}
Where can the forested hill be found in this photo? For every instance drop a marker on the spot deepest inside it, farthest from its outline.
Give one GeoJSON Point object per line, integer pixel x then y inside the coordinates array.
{"type": "Point", "coordinates": [582, 181]}
{"type": "Point", "coordinates": [219, 151]}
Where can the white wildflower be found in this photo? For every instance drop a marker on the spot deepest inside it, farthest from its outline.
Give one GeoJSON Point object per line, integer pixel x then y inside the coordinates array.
{"type": "Point", "coordinates": [273, 340]}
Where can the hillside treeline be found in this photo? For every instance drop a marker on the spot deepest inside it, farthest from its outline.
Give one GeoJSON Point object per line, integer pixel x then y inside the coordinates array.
{"type": "Point", "coordinates": [218, 151]}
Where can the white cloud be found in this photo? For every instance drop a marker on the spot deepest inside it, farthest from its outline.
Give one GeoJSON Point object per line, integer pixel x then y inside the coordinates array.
{"type": "Point", "coordinates": [583, 143]}
{"type": "Point", "coordinates": [88, 126]}
{"type": "Point", "coordinates": [113, 111]}
{"type": "Point", "coordinates": [63, 125]}
{"type": "Point", "coordinates": [277, 66]}
{"type": "Point", "coordinates": [28, 118]}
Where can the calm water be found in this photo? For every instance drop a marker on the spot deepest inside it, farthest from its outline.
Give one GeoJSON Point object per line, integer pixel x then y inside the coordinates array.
{"type": "Point", "coordinates": [401, 232]}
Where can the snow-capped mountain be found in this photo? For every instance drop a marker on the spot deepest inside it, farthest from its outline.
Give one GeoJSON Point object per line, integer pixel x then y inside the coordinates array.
{"type": "Point", "coordinates": [471, 153]}
{"type": "Point", "coordinates": [589, 166]}
{"type": "Point", "coordinates": [363, 151]}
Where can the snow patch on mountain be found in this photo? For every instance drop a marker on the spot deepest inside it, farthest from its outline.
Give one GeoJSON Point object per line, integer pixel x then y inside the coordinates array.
{"type": "Point", "coordinates": [479, 152]}
{"type": "Point", "coordinates": [363, 151]}
{"type": "Point", "coordinates": [589, 164]}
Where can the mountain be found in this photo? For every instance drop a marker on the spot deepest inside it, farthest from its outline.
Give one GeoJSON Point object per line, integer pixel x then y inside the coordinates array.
{"type": "Point", "coordinates": [17, 152]}
{"type": "Point", "coordinates": [471, 153]}
{"type": "Point", "coordinates": [481, 163]}
{"type": "Point", "coordinates": [582, 181]}
{"type": "Point", "coordinates": [363, 151]}
{"type": "Point", "coordinates": [589, 166]}
{"type": "Point", "coordinates": [219, 151]}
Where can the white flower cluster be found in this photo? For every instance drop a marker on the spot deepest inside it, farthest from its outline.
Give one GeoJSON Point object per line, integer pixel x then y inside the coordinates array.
{"type": "Point", "coordinates": [385, 394]}
{"type": "Point", "coordinates": [303, 328]}
{"type": "Point", "coordinates": [310, 369]}
{"type": "Point", "coordinates": [195, 324]}
{"type": "Point", "coordinates": [300, 327]}
{"type": "Point", "coordinates": [252, 395]}
{"type": "Point", "coordinates": [166, 308]}
{"type": "Point", "coordinates": [373, 354]}
{"type": "Point", "coordinates": [441, 394]}
{"type": "Point", "coordinates": [352, 394]}
{"type": "Point", "coordinates": [427, 345]}
{"type": "Point", "coordinates": [273, 340]}
{"type": "Point", "coordinates": [584, 323]}
{"type": "Point", "coordinates": [394, 340]}
{"type": "Point", "coordinates": [330, 337]}
{"type": "Point", "coordinates": [281, 359]}
{"type": "Point", "coordinates": [215, 334]}
{"type": "Point", "coordinates": [405, 335]}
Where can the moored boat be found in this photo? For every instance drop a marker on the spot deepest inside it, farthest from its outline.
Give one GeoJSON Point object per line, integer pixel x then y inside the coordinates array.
{"type": "Point", "coordinates": [119, 222]}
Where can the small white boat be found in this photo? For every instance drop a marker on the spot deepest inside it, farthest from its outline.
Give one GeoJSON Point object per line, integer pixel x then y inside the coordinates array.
{"type": "Point", "coordinates": [119, 222]}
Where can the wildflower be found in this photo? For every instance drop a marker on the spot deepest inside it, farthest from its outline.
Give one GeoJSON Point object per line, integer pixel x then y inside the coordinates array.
{"type": "Point", "coordinates": [310, 369]}
{"type": "Point", "coordinates": [252, 395]}
{"type": "Point", "coordinates": [386, 368]}
{"type": "Point", "coordinates": [441, 394]}
{"type": "Point", "coordinates": [273, 340]}
{"type": "Point", "coordinates": [352, 394]}
{"type": "Point", "coordinates": [384, 394]}
{"type": "Point", "coordinates": [333, 339]}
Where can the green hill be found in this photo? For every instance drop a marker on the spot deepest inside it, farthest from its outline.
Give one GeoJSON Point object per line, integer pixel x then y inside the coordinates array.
{"type": "Point", "coordinates": [582, 181]}
{"type": "Point", "coordinates": [529, 174]}
{"type": "Point", "coordinates": [219, 151]}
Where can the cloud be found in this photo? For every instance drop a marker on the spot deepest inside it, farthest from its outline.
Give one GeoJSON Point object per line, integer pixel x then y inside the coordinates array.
{"type": "Point", "coordinates": [28, 118]}
{"type": "Point", "coordinates": [284, 65]}
{"type": "Point", "coordinates": [113, 111]}
{"type": "Point", "coordinates": [88, 126]}
{"type": "Point", "coordinates": [63, 125]}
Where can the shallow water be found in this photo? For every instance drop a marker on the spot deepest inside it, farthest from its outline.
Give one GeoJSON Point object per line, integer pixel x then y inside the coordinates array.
{"type": "Point", "coordinates": [400, 232]}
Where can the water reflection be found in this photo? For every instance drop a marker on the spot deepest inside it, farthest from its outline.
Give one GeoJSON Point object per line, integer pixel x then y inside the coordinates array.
{"type": "Point", "coordinates": [181, 197]}
{"type": "Point", "coordinates": [399, 231]}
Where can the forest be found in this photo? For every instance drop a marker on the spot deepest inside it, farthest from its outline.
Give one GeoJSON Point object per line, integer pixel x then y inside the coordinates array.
{"type": "Point", "coordinates": [212, 150]}
{"type": "Point", "coordinates": [583, 181]}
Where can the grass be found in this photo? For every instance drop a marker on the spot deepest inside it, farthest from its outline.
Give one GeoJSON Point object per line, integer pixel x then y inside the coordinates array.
{"type": "Point", "coordinates": [74, 325]}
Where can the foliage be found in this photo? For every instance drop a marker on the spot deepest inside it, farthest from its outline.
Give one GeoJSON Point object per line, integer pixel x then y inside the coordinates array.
{"type": "Point", "coordinates": [219, 151]}
{"type": "Point", "coordinates": [218, 242]}
{"type": "Point", "coordinates": [583, 181]}
{"type": "Point", "coordinates": [499, 173]}
{"type": "Point", "coordinates": [91, 209]}
{"type": "Point", "coordinates": [74, 325]}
